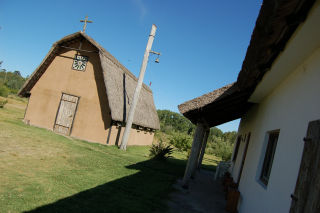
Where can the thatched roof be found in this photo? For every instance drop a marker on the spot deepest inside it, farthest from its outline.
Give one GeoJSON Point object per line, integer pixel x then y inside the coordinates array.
{"type": "Point", "coordinates": [115, 77]}
{"type": "Point", "coordinates": [276, 22]}
{"type": "Point", "coordinates": [120, 84]}
{"type": "Point", "coordinates": [216, 107]}
{"type": "Point", "coordinates": [208, 98]}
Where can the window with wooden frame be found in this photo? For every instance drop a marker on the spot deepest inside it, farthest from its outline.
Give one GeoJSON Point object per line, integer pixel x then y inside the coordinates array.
{"type": "Point", "coordinates": [269, 155]}
{"type": "Point", "coordinates": [236, 150]}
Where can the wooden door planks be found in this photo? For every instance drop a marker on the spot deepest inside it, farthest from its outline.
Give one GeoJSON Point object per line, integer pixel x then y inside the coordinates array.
{"type": "Point", "coordinates": [307, 192]}
{"type": "Point", "coordinates": [65, 114]}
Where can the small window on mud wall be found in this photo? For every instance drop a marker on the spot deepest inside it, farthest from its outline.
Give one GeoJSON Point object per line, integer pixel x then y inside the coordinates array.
{"type": "Point", "coordinates": [236, 150]}
{"type": "Point", "coordinates": [80, 62]}
{"type": "Point", "coordinates": [269, 155]}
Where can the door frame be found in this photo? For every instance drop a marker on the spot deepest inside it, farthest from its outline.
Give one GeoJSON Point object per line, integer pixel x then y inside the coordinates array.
{"type": "Point", "coordinates": [75, 111]}
{"type": "Point", "coordinates": [244, 156]}
{"type": "Point", "coordinates": [305, 198]}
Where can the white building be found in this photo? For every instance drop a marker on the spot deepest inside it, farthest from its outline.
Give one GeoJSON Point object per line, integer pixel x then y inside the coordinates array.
{"type": "Point", "coordinates": [276, 96]}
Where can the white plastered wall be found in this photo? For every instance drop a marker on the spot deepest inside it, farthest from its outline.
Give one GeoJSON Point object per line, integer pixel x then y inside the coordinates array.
{"type": "Point", "coordinates": [289, 108]}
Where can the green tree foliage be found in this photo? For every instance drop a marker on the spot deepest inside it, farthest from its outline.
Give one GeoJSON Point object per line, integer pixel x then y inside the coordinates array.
{"type": "Point", "coordinates": [181, 141]}
{"type": "Point", "coordinates": [222, 146]}
{"type": "Point", "coordinates": [178, 132]}
{"type": "Point", "coordinates": [174, 122]}
{"type": "Point", "coordinates": [4, 91]}
{"type": "Point", "coordinates": [10, 82]}
{"type": "Point", "coordinates": [215, 132]}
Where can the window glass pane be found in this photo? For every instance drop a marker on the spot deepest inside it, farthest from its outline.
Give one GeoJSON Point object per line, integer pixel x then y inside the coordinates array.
{"type": "Point", "coordinates": [268, 159]}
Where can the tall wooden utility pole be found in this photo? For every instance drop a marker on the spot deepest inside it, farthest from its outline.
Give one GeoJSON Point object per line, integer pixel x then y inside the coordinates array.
{"type": "Point", "coordinates": [126, 133]}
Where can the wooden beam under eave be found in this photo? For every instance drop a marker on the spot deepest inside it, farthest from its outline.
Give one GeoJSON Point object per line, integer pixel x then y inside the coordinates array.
{"type": "Point", "coordinates": [194, 154]}
{"type": "Point", "coordinates": [220, 115]}
{"type": "Point", "coordinates": [203, 147]}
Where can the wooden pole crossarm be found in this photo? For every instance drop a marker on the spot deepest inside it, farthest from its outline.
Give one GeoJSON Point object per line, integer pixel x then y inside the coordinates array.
{"type": "Point", "coordinates": [156, 53]}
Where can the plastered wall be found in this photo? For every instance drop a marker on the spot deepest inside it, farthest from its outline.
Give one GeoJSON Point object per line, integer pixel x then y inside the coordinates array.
{"type": "Point", "coordinates": [289, 107]}
{"type": "Point", "coordinates": [137, 137]}
{"type": "Point", "coordinates": [92, 119]}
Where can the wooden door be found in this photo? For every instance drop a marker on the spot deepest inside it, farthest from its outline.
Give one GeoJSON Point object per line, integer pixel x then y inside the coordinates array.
{"type": "Point", "coordinates": [65, 115]}
{"type": "Point", "coordinates": [306, 197]}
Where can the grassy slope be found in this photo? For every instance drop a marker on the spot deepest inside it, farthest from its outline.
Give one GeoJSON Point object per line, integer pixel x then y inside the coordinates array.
{"type": "Point", "coordinates": [45, 172]}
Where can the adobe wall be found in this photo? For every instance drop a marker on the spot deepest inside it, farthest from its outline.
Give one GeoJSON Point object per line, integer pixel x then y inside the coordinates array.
{"type": "Point", "coordinates": [92, 119]}
{"type": "Point", "coordinates": [137, 137]}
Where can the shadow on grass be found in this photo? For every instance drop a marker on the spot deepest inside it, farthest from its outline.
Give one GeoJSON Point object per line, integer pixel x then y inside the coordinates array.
{"type": "Point", "coordinates": [144, 191]}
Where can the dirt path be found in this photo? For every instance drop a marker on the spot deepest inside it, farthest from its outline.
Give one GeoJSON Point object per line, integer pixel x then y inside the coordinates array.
{"type": "Point", "coordinates": [204, 195]}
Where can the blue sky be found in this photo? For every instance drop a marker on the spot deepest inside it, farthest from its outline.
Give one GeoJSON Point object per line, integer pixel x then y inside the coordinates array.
{"type": "Point", "coordinates": [203, 43]}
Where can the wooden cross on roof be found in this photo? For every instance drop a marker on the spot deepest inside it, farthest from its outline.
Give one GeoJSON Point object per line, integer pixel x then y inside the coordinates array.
{"type": "Point", "coordinates": [85, 23]}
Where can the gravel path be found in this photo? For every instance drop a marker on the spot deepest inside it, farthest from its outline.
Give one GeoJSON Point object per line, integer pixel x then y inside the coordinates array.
{"type": "Point", "coordinates": [203, 195]}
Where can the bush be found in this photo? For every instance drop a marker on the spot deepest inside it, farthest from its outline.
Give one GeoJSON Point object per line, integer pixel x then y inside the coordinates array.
{"type": "Point", "coordinates": [2, 103]}
{"type": "Point", "coordinates": [182, 142]}
{"type": "Point", "coordinates": [226, 154]}
{"type": "Point", "coordinates": [220, 148]}
{"type": "Point", "coordinates": [4, 91]}
{"type": "Point", "coordinates": [160, 151]}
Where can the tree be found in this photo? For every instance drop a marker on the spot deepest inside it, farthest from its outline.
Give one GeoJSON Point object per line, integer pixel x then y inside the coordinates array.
{"type": "Point", "coordinates": [172, 121]}
{"type": "Point", "coordinates": [17, 73]}
{"type": "Point", "coordinates": [178, 131]}
{"type": "Point", "coordinates": [11, 82]}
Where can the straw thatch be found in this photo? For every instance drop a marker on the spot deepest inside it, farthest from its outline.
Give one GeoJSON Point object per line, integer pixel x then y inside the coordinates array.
{"type": "Point", "coordinates": [217, 107]}
{"type": "Point", "coordinates": [120, 84]}
{"type": "Point", "coordinates": [275, 24]}
{"type": "Point", "coordinates": [205, 99]}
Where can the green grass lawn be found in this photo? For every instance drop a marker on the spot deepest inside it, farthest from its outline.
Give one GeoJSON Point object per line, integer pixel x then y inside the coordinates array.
{"type": "Point", "coordinates": [44, 172]}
